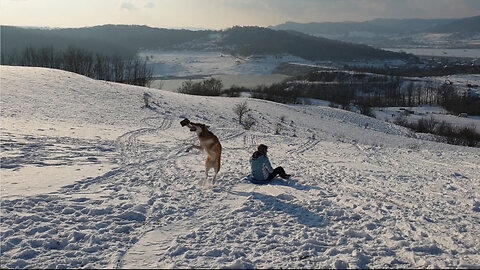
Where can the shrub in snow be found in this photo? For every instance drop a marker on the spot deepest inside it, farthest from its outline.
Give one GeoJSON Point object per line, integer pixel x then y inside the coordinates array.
{"type": "Point", "coordinates": [249, 122]}
{"type": "Point", "coordinates": [366, 109]}
{"type": "Point", "coordinates": [426, 125]}
{"type": "Point", "coordinates": [146, 99]}
{"type": "Point", "coordinates": [280, 125]}
{"type": "Point", "coordinates": [401, 120]}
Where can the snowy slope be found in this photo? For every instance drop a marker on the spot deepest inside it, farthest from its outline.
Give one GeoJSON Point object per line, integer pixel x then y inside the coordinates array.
{"type": "Point", "coordinates": [90, 179]}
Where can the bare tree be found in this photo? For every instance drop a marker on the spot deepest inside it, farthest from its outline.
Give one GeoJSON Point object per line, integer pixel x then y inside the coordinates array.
{"type": "Point", "coordinates": [212, 86]}
{"type": "Point", "coordinates": [241, 109]}
{"type": "Point", "coordinates": [410, 89]}
{"type": "Point", "coordinates": [186, 87]}
{"type": "Point", "coordinates": [365, 108]}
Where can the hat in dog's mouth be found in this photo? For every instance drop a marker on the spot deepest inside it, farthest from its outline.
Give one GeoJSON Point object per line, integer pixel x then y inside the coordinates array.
{"type": "Point", "coordinates": [184, 122]}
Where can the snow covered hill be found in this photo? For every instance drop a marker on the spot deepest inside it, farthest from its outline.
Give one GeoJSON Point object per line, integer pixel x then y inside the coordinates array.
{"type": "Point", "coordinates": [90, 179]}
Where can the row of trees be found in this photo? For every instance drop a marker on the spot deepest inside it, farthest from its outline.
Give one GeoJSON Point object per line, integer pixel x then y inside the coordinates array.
{"type": "Point", "coordinates": [466, 136]}
{"type": "Point", "coordinates": [207, 87]}
{"type": "Point", "coordinates": [344, 88]}
{"type": "Point", "coordinates": [84, 62]}
{"type": "Point", "coordinates": [382, 91]}
{"type": "Point", "coordinates": [379, 90]}
{"type": "Point", "coordinates": [438, 70]}
{"type": "Point", "coordinates": [385, 94]}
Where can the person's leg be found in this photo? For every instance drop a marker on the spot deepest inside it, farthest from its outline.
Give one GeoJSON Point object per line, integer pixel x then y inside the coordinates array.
{"type": "Point", "coordinates": [277, 171]}
{"type": "Point", "coordinates": [282, 173]}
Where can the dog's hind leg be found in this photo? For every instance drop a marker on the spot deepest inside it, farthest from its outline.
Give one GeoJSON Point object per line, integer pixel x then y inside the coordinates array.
{"type": "Point", "coordinates": [208, 166]}
{"type": "Point", "coordinates": [216, 168]}
{"type": "Point", "coordinates": [212, 163]}
{"type": "Point", "coordinates": [206, 177]}
{"type": "Point", "coordinates": [214, 176]}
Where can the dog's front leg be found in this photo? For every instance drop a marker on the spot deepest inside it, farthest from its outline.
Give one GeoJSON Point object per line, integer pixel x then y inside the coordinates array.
{"type": "Point", "coordinates": [193, 146]}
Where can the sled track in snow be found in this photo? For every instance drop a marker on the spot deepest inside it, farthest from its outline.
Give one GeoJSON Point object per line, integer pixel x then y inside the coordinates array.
{"type": "Point", "coordinates": [250, 140]}
{"type": "Point", "coordinates": [127, 143]}
{"type": "Point", "coordinates": [304, 147]}
{"type": "Point", "coordinates": [44, 151]}
{"type": "Point", "coordinates": [158, 123]}
{"type": "Point", "coordinates": [228, 135]}
{"type": "Point", "coordinates": [214, 205]}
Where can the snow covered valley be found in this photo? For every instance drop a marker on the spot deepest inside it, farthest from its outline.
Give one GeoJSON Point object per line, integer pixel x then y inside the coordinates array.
{"type": "Point", "coordinates": [91, 179]}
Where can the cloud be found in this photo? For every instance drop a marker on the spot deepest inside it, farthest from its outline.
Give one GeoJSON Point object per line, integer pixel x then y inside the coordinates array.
{"type": "Point", "coordinates": [150, 5]}
{"type": "Point", "coordinates": [474, 4]}
{"type": "Point", "coordinates": [131, 6]}
{"type": "Point", "coordinates": [128, 6]}
{"type": "Point", "coordinates": [337, 10]}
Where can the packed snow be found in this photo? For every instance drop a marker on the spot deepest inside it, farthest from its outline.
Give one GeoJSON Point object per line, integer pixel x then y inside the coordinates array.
{"type": "Point", "coordinates": [92, 179]}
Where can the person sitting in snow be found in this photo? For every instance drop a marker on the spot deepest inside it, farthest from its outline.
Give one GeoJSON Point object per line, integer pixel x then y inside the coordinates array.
{"type": "Point", "coordinates": [262, 169]}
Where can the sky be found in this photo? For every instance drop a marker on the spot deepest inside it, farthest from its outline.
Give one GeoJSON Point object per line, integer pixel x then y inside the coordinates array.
{"type": "Point", "coordinates": [221, 14]}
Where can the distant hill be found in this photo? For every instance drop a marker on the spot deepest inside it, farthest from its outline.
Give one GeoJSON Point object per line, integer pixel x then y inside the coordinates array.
{"type": "Point", "coordinates": [15, 39]}
{"type": "Point", "coordinates": [258, 40]}
{"type": "Point", "coordinates": [126, 40]}
{"type": "Point", "coordinates": [471, 24]}
{"type": "Point", "coordinates": [385, 33]}
{"type": "Point", "coordinates": [377, 26]}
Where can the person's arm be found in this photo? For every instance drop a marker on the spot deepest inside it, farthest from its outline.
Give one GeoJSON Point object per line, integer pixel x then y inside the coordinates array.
{"type": "Point", "coordinates": [268, 165]}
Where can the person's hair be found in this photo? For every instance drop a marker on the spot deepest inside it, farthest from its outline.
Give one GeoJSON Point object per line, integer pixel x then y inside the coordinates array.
{"type": "Point", "coordinates": [262, 148]}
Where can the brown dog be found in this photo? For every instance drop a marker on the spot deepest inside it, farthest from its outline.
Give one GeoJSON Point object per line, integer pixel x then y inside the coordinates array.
{"type": "Point", "coordinates": [208, 142]}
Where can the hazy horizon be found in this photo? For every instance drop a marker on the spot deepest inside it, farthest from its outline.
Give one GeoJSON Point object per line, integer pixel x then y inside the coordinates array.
{"type": "Point", "coordinates": [221, 14]}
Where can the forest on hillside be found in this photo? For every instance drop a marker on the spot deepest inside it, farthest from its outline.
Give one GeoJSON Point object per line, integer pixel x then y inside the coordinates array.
{"type": "Point", "coordinates": [127, 40]}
